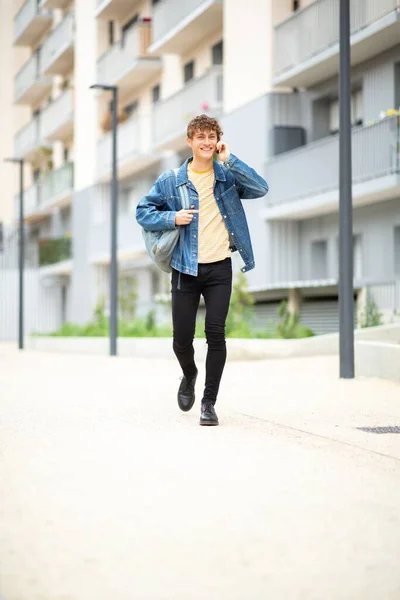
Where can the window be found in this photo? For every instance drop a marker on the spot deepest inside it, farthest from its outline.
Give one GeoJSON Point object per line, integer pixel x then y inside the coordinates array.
{"type": "Point", "coordinates": [155, 93]}
{"type": "Point", "coordinates": [66, 154]}
{"type": "Point", "coordinates": [111, 33]}
{"type": "Point", "coordinates": [356, 111]}
{"type": "Point", "coordinates": [396, 235]}
{"type": "Point", "coordinates": [218, 53]}
{"type": "Point", "coordinates": [296, 5]}
{"type": "Point", "coordinates": [188, 71]}
{"type": "Point", "coordinates": [319, 259]}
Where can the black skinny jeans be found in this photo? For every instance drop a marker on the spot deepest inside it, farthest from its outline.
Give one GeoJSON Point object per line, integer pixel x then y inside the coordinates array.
{"type": "Point", "coordinates": [214, 282]}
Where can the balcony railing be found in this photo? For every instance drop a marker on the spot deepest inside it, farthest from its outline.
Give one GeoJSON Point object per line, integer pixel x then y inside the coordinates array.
{"type": "Point", "coordinates": [59, 44]}
{"type": "Point", "coordinates": [28, 138]}
{"type": "Point", "coordinates": [58, 117]}
{"type": "Point", "coordinates": [168, 13]}
{"type": "Point", "coordinates": [31, 200]}
{"type": "Point", "coordinates": [128, 145]}
{"type": "Point", "coordinates": [30, 22]}
{"type": "Point", "coordinates": [28, 82]}
{"type": "Point", "coordinates": [314, 169]}
{"type": "Point", "coordinates": [52, 251]}
{"type": "Point", "coordinates": [315, 28]}
{"type": "Point", "coordinates": [122, 56]}
{"type": "Point", "coordinates": [202, 95]}
{"type": "Point", "coordinates": [57, 183]}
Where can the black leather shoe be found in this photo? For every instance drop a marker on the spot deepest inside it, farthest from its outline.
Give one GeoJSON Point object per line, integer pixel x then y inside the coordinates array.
{"type": "Point", "coordinates": [208, 415]}
{"type": "Point", "coordinates": [186, 395]}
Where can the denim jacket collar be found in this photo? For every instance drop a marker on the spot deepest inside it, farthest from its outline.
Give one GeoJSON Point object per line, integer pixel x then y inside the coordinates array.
{"type": "Point", "coordinates": [182, 176]}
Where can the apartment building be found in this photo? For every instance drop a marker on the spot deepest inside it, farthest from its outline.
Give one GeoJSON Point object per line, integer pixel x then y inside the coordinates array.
{"type": "Point", "coordinates": [269, 71]}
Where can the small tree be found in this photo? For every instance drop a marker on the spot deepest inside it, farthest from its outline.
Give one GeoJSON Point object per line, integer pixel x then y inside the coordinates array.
{"type": "Point", "coordinates": [289, 326]}
{"type": "Point", "coordinates": [127, 298]}
{"type": "Point", "coordinates": [370, 315]}
{"type": "Point", "coordinates": [240, 309]}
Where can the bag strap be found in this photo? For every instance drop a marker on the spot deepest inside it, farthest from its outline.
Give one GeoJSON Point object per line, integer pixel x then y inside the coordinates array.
{"type": "Point", "coordinates": [185, 202]}
{"type": "Point", "coordinates": [183, 192]}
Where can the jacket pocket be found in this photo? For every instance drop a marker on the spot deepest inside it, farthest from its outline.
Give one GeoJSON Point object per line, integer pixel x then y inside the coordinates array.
{"type": "Point", "coordinates": [231, 201]}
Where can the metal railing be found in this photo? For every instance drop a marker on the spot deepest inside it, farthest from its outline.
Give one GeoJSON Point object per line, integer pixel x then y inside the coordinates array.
{"type": "Point", "coordinates": [57, 113]}
{"type": "Point", "coordinates": [123, 54]}
{"type": "Point", "coordinates": [316, 27]}
{"type": "Point", "coordinates": [58, 41]}
{"type": "Point", "coordinates": [31, 200]}
{"type": "Point", "coordinates": [28, 11]}
{"type": "Point", "coordinates": [57, 182]}
{"type": "Point", "coordinates": [168, 13]}
{"type": "Point", "coordinates": [386, 296]}
{"type": "Point", "coordinates": [52, 251]}
{"type": "Point", "coordinates": [202, 95]}
{"type": "Point", "coordinates": [28, 138]}
{"type": "Point", "coordinates": [314, 168]}
{"type": "Point", "coordinates": [128, 145]}
{"type": "Point", "coordinates": [27, 76]}
{"type": "Point", "coordinates": [46, 190]}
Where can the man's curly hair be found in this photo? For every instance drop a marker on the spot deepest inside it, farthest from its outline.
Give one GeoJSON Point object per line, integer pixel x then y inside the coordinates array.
{"type": "Point", "coordinates": [204, 123]}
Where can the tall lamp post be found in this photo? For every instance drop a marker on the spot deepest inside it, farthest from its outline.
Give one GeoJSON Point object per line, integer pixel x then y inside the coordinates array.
{"type": "Point", "coordinates": [346, 292]}
{"type": "Point", "coordinates": [21, 250]}
{"type": "Point", "coordinates": [114, 214]}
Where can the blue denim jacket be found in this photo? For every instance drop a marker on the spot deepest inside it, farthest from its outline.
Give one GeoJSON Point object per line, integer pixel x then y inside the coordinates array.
{"type": "Point", "coordinates": [233, 180]}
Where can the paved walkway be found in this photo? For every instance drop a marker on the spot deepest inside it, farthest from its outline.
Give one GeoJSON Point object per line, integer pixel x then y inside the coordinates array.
{"type": "Point", "coordinates": [108, 492]}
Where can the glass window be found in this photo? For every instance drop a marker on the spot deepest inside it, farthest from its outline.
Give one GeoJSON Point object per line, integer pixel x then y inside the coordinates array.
{"type": "Point", "coordinates": [188, 71]}
{"type": "Point", "coordinates": [319, 259]}
{"type": "Point", "coordinates": [218, 53]}
{"type": "Point", "coordinates": [155, 92]}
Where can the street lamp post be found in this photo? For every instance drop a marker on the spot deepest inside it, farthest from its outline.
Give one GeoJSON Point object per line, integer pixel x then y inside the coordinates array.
{"type": "Point", "coordinates": [114, 216]}
{"type": "Point", "coordinates": [346, 293]}
{"type": "Point", "coordinates": [21, 250]}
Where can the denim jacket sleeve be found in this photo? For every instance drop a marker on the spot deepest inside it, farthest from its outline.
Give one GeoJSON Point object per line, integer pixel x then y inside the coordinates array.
{"type": "Point", "coordinates": [249, 183]}
{"type": "Point", "coordinates": [152, 211]}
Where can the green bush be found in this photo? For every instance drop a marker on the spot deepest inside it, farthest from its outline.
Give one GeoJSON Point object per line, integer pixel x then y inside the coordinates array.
{"type": "Point", "coordinates": [238, 324]}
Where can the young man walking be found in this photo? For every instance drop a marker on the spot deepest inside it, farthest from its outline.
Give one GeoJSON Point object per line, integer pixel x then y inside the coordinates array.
{"type": "Point", "coordinates": [214, 226]}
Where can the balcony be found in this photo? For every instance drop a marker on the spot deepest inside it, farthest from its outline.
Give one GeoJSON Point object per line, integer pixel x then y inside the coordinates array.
{"type": "Point", "coordinates": [58, 48]}
{"type": "Point", "coordinates": [30, 23]}
{"type": "Point", "coordinates": [29, 85]}
{"type": "Point", "coordinates": [307, 43]}
{"type": "Point", "coordinates": [58, 118]}
{"type": "Point", "coordinates": [28, 140]}
{"type": "Point", "coordinates": [179, 26]}
{"type": "Point", "coordinates": [114, 9]}
{"type": "Point", "coordinates": [202, 95]}
{"type": "Point", "coordinates": [53, 191]}
{"type": "Point", "coordinates": [304, 182]}
{"type": "Point", "coordinates": [54, 3]}
{"type": "Point", "coordinates": [127, 63]}
{"type": "Point", "coordinates": [133, 149]}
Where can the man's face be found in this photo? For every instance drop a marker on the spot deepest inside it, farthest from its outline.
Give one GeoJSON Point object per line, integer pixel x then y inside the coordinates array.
{"type": "Point", "coordinates": [203, 144]}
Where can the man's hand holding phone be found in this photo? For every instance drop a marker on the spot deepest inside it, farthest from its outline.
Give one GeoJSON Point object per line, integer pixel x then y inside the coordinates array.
{"type": "Point", "coordinates": [223, 151]}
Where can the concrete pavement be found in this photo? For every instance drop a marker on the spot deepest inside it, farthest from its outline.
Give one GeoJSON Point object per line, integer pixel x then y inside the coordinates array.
{"type": "Point", "coordinates": [109, 492]}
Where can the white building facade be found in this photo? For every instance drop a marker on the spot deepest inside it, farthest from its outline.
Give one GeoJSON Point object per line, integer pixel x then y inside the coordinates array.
{"type": "Point", "coordinates": [269, 71]}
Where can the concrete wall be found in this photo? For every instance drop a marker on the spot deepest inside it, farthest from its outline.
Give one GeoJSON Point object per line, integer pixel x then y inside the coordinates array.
{"type": "Point", "coordinates": [85, 125]}
{"type": "Point", "coordinates": [375, 224]}
{"type": "Point", "coordinates": [248, 48]}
